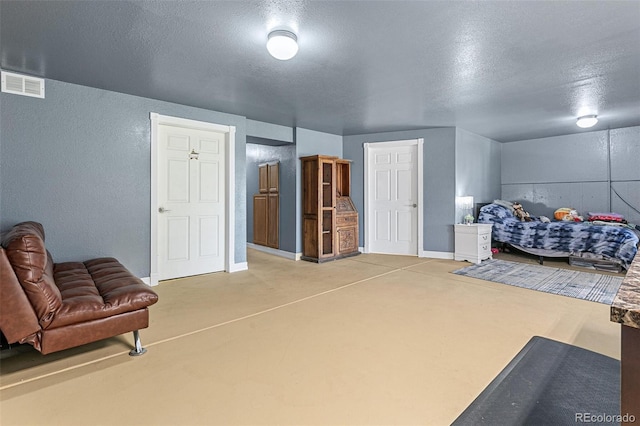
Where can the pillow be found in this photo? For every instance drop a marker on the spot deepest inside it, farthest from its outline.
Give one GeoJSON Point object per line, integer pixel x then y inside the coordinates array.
{"type": "Point", "coordinates": [606, 217]}
{"type": "Point", "coordinates": [492, 211]}
{"type": "Point", "coordinates": [504, 203]}
{"type": "Point", "coordinates": [618, 215]}
{"type": "Point", "coordinates": [561, 213]}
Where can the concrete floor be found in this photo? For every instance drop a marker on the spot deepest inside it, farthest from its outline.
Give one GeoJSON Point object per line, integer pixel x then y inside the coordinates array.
{"type": "Point", "coordinates": [373, 339]}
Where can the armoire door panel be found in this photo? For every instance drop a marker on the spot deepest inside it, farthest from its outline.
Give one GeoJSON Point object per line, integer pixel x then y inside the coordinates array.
{"type": "Point", "coordinates": [273, 170]}
{"type": "Point", "coordinates": [260, 208]}
{"type": "Point", "coordinates": [263, 178]}
{"type": "Point", "coordinates": [273, 217]}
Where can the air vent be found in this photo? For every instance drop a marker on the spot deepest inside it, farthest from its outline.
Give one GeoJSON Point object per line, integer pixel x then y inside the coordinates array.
{"type": "Point", "coordinates": [22, 85]}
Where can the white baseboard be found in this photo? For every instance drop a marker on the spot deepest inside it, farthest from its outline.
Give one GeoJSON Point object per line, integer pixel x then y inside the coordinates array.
{"type": "Point", "coordinates": [429, 254]}
{"type": "Point", "coordinates": [237, 267]}
{"type": "Point", "coordinates": [275, 252]}
{"type": "Point", "coordinates": [436, 254]}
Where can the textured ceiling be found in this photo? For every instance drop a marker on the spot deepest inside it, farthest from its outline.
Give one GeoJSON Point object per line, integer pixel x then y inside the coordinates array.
{"type": "Point", "coordinates": [505, 70]}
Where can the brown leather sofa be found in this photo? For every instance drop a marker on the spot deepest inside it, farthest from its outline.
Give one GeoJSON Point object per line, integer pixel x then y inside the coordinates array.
{"type": "Point", "coordinates": [55, 306]}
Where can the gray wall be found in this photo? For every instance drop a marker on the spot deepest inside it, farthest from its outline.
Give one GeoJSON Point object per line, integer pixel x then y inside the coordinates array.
{"type": "Point", "coordinates": [269, 132]}
{"type": "Point", "coordinates": [625, 172]}
{"type": "Point", "coordinates": [477, 168]}
{"type": "Point", "coordinates": [576, 171]}
{"type": "Point", "coordinates": [286, 155]}
{"type": "Point", "coordinates": [439, 176]}
{"type": "Point", "coordinates": [309, 142]}
{"type": "Point", "coordinates": [78, 161]}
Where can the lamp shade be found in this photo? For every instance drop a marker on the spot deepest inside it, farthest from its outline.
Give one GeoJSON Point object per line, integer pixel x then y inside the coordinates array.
{"type": "Point", "coordinates": [282, 44]}
{"type": "Point", "coordinates": [466, 202]}
{"type": "Point", "coordinates": [587, 121]}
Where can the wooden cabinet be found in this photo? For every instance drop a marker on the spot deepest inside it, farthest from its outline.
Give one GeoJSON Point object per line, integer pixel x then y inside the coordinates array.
{"type": "Point", "coordinates": [329, 218]}
{"type": "Point", "coordinates": [268, 177]}
{"type": "Point", "coordinates": [273, 180]}
{"type": "Point", "coordinates": [273, 219]}
{"type": "Point", "coordinates": [473, 242]}
{"type": "Point", "coordinates": [263, 178]}
{"type": "Point", "coordinates": [266, 206]}
{"type": "Point", "coordinates": [260, 219]}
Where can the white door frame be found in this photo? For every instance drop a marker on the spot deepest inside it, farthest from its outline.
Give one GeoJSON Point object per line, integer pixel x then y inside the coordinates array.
{"type": "Point", "coordinates": [230, 185]}
{"type": "Point", "coordinates": [368, 157]}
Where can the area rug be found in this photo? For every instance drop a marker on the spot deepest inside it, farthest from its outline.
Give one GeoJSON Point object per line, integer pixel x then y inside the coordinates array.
{"type": "Point", "coordinates": [565, 282]}
{"type": "Point", "coordinates": [550, 383]}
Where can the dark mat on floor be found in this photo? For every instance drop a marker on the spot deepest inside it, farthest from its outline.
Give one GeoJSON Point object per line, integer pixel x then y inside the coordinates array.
{"type": "Point", "coordinates": [549, 383]}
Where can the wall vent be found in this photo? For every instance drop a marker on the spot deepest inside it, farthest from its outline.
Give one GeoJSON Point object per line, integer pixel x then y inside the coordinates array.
{"type": "Point", "coordinates": [22, 85]}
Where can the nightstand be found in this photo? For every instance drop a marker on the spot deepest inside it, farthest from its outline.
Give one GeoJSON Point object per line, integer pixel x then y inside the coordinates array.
{"type": "Point", "coordinates": [473, 242]}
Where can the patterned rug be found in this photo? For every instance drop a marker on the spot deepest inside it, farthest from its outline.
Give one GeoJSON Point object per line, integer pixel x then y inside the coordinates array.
{"type": "Point", "coordinates": [565, 282]}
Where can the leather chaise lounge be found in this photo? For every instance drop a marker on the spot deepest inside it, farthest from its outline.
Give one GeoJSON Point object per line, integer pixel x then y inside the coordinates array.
{"type": "Point", "coordinates": [55, 306]}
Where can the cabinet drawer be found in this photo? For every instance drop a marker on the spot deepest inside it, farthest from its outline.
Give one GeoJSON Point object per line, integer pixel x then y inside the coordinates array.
{"type": "Point", "coordinates": [484, 249]}
{"type": "Point", "coordinates": [346, 220]}
{"type": "Point", "coordinates": [484, 238]}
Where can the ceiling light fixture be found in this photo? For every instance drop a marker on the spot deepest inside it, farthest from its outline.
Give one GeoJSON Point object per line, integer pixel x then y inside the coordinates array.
{"type": "Point", "coordinates": [282, 44]}
{"type": "Point", "coordinates": [587, 121]}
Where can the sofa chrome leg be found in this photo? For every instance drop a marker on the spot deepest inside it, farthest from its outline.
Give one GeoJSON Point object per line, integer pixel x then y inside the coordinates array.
{"type": "Point", "coordinates": [138, 349]}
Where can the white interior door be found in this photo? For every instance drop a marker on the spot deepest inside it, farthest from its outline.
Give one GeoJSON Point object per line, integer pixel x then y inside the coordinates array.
{"type": "Point", "coordinates": [392, 213]}
{"type": "Point", "coordinates": [191, 200]}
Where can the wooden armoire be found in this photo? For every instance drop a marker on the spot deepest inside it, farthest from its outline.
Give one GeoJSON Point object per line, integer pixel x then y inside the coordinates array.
{"type": "Point", "coordinates": [329, 218]}
{"type": "Point", "coordinates": [266, 206]}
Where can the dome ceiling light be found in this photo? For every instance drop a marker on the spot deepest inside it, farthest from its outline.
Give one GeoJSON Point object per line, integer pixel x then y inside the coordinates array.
{"type": "Point", "coordinates": [282, 44]}
{"type": "Point", "coordinates": [587, 121]}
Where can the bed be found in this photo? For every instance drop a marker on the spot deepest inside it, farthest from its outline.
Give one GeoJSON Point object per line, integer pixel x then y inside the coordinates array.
{"type": "Point", "coordinates": [616, 244]}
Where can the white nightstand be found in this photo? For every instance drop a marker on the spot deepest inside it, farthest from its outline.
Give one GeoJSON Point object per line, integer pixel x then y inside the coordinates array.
{"type": "Point", "coordinates": [473, 242]}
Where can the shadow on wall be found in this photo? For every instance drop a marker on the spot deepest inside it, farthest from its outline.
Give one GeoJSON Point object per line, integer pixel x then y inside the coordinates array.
{"type": "Point", "coordinates": [538, 209]}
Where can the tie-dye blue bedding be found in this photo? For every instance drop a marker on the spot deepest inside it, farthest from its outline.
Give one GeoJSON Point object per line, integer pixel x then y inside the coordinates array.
{"type": "Point", "coordinates": [611, 242]}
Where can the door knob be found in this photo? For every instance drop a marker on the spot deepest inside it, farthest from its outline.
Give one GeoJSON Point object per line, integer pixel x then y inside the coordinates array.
{"type": "Point", "coordinates": [414, 205]}
{"type": "Point", "coordinates": [162, 210]}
